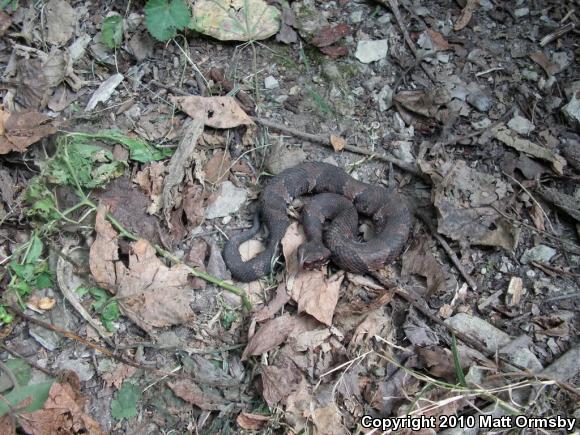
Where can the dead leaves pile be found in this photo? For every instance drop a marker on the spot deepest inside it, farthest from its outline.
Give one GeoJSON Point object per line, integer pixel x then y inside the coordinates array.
{"type": "Point", "coordinates": [149, 293]}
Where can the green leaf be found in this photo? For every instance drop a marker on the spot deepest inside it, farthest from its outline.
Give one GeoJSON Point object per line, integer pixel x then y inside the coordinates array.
{"type": "Point", "coordinates": [101, 297]}
{"type": "Point", "coordinates": [4, 316]}
{"type": "Point", "coordinates": [125, 404]}
{"type": "Point", "coordinates": [44, 280]}
{"type": "Point", "coordinates": [82, 290]}
{"type": "Point", "coordinates": [109, 315]}
{"type": "Point", "coordinates": [21, 371]}
{"type": "Point", "coordinates": [164, 18]}
{"type": "Point", "coordinates": [35, 250]}
{"type": "Point", "coordinates": [37, 392]}
{"type": "Point", "coordinates": [112, 31]}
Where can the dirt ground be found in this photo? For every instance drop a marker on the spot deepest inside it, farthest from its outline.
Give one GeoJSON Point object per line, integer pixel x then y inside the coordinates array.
{"type": "Point", "coordinates": [124, 170]}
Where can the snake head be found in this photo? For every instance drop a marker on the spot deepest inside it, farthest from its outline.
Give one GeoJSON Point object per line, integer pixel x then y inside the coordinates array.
{"type": "Point", "coordinates": [313, 255]}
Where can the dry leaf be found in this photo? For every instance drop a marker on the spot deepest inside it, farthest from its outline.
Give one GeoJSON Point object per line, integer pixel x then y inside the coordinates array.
{"type": "Point", "coordinates": [466, 14]}
{"type": "Point", "coordinates": [192, 393]}
{"type": "Point", "coordinates": [328, 35]}
{"type": "Point", "coordinates": [420, 261]}
{"type": "Point", "coordinates": [217, 168]}
{"type": "Point", "coordinates": [252, 421]}
{"type": "Point", "coordinates": [327, 420]}
{"type": "Point", "coordinates": [541, 59]}
{"type": "Point", "coordinates": [42, 304]}
{"type": "Point", "coordinates": [515, 291]}
{"type": "Point", "coordinates": [280, 380]}
{"type": "Point", "coordinates": [62, 413]}
{"type": "Point", "coordinates": [216, 112]}
{"type": "Point", "coordinates": [538, 217]}
{"type": "Point", "coordinates": [438, 40]}
{"type": "Point", "coordinates": [337, 142]}
{"type": "Point", "coordinates": [315, 293]}
{"type": "Point", "coordinates": [281, 298]}
{"type": "Point", "coordinates": [104, 251]}
{"type": "Point", "coordinates": [150, 293]}
{"type": "Point", "coordinates": [22, 129]}
{"type": "Point", "coordinates": [116, 377]}
{"type": "Point", "coordinates": [271, 334]}
{"type": "Point", "coordinates": [509, 138]}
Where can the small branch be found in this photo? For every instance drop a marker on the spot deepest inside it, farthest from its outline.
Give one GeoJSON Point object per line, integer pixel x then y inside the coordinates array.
{"type": "Point", "coordinates": [30, 363]}
{"type": "Point", "coordinates": [324, 139]}
{"type": "Point", "coordinates": [470, 281]}
{"type": "Point", "coordinates": [558, 33]}
{"type": "Point", "coordinates": [394, 7]}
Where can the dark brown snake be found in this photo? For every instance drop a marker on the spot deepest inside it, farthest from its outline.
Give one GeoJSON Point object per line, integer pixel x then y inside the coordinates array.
{"type": "Point", "coordinates": [387, 209]}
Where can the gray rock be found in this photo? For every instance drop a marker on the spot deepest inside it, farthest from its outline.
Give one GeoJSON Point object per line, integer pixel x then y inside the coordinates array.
{"type": "Point", "coordinates": [356, 16]}
{"type": "Point", "coordinates": [270, 82]}
{"type": "Point", "coordinates": [521, 125]}
{"type": "Point", "coordinates": [480, 100]}
{"type": "Point", "coordinates": [403, 151]}
{"type": "Point", "coordinates": [281, 158]}
{"type": "Point", "coordinates": [371, 50]}
{"type": "Point", "coordinates": [228, 200]}
{"type": "Point", "coordinates": [572, 110]}
{"type": "Point", "coordinates": [540, 253]}
{"type": "Point", "coordinates": [385, 98]}
{"type": "Point", "coordinates": [521, 12]}
{"type": "Point", "coordinates": [562, 59]}
{"type": "Point", "coordinates": [491, 337]}
{"type": "Point", "coordinates": [81, 367]}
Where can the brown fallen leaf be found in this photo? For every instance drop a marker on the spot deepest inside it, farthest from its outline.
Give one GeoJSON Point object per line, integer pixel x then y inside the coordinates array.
{"type": "Point", "coordinates": [335, 51]}
{"type": "Point", "coordinates": [438, 40]}
{"type": "Point", "coordinates": [541, 59]}
{"type": "Point", "coordinates": [420, 261]}
{"type": "Point", "coordinates": [252, 421]}
{"type": "Point", "coordinates": [104, 252]}
{"type": "Point", "coordinates": [150, 179]}
{"type": "Point", "coordinates": [511, 139]}
{"type": "Point", "coordinates": [514, 292]}
{"type": "Point", "coordinates": [216, 112]}
{"type": "Point", "coordinates": [116, 377]}
{"type": "Point", "coordinates": [328, 35]}
{"type": "Point", "coordinates": [271, 334]}
{"type": "Point", "coordinates": [327, 420]}
{"type": "Point", "coordinates": [280, 299]}
{"type": "Point", "coordinates": [466, 14]}
{"type": "Point", "coordinates": [537, 215]}
{"type": "Point", "coordinates": [62, 413]}
{"type": "Point", "coordinates": [280, 380]}
{"type": "Point", "coordinates": [5, 22]}
{"type": "Point", "coordinates": [189, 391]}
{"type": "Point", "coordinates": [151, 294]}
{"type": "Point", "coordinates": [40, 303]}
{"type": "Point", "coordinates": [315, 293]}
{"type": "Point", "coordinates": [217, 168]}
{"type": "Point", "coordinates": [337, 142]}
{"type": "Point", "coordinates": [22, 129]}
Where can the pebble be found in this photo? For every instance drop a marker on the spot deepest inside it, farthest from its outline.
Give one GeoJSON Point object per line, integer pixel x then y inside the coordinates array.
{"type": "Point", "coordinates": [521, 12]}
{"type": "Point", "coordinates": [480, 100]}
{"type": "Point", "coordinates": [540, 253]}
{"type": "Point", "coordinates": [356, 16]}
{"type": "Point", "coordinates": [270, 82]}
{"type": "Point", "coordinates": [572, 110]}
{"type": "Point", "coordinates": [371, 50]}
{"type": "Point", "coordinates": [385, 98]}
{"type": "Point", "coordinates": [521, 125]}
{"type": "Point", "coordinates": [229, 199]}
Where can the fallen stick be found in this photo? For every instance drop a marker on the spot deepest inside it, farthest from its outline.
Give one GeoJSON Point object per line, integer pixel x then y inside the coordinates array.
{"type": "Point", "coordinates": [394, 7]}
{"type": "Point", "coordinates": [324, 139]}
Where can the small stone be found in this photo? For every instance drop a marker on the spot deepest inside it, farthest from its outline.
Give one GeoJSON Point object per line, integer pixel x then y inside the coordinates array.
{"type": "Point", "coordinates": [521, 12]}
{"type": "Point", "coordinates": [530, 75]}
{"type": "Point", "coordinates": [562, 59]}
{"type": "Point", "coordinates": [229, 199]}
{"type": "Point", "coordinates": [422, 11]}
{"type": "Point", "coordinates": [482, 123]}
{"type": "Point", "coordinates": [531, 274]}
{"type": "Point", "coordinates": [540, 253]}
{"type": "Point", "coordinates": [443, 57]}
{"type": "Point", "coordinates": [356, 16]}
{"type": "Point", "coordinates": [385, 98]}
{"type": "Point", "coordinates": [480, 100]}
{"type": "Point", "coordinates": [384, 19]}
{"type": "Point", "coordinates": [82, 368]}
{"type": "Point", "coordinates": [281, 158]}
{"type": "Point", "coordinates": [521, 125]}
{"type": "Point", "coordinates": [270, 83]}
{"type": "Point", "coordinates": [371, 50]}
{"type": "Point", "coordinates": [486, 5]}
{"type": "Point", "coordinates": [572, 110]}
{"type": "Point", "coordinates": [403, 151]}
{"type": "Point", "coordinates": [226, 220]}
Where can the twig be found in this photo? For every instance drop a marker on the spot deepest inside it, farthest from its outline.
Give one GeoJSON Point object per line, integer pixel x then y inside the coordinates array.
{"type": "Point", "coordinates": [572, 247]}
{"type": "Point", "coordinates": [324, 139]}
{"type": "Point", "coordinates": [456, 139]}
{"type": "Point", "coordinates": [30, 363]}
{"type": "Point", "coordinates": [558, 33]}
{"type": "Point", "coordinates": [10, 375]}
{"type": "Point", "coordinates": [73, 336]}
{"type": "Point", "coordinates": [394, 7]}
{"type": "Point", "coordinates": [466, 339]}
{"type": "Point", "coordinates": [470, 281]}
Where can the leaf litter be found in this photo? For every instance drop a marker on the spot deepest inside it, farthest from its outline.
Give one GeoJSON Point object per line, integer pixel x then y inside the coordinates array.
{"type": "Point", "coordinates": [326, 346]}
